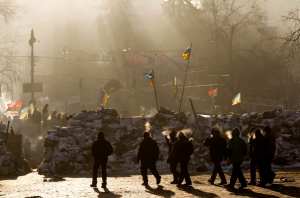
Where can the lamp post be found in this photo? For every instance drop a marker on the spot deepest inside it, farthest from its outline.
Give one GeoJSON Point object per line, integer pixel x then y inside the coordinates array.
{"type": "Point", "coordinates": [32, 40]}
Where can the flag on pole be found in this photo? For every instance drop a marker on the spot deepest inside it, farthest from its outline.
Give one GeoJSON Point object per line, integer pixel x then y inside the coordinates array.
{"type": "Point", "coordinates": [150, 77]}
{"type": "Point", "coordinates": [105, 99]}
{"type": "Point", "coordinates": [15, 106]}
{"type": "Point", "coordinates": [237, 99]}
{"type": "Point", "coordinates": [187, 54]}
{"type": "Point", "coordinates": [213, 92]}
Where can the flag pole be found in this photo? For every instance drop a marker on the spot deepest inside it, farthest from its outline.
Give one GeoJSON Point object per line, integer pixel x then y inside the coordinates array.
{"type": "Point", "coordinates": [194, 113]}
{"type": "Point", "coordinates": [155, 91]}
{"type": "Point", "coordinates": [184, 81]}
{"type": "Point", "coordinates": [213, 103]}
{"type": "Point", "coordinates": [175, 91]}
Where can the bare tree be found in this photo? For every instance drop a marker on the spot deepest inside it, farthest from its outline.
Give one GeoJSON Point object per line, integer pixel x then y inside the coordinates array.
{"type": "Point", "coordinates": [243, 43]}
{"type": "Point", "coordinates": [8, 73]}
{"type": "Point", "coordinates": [7, 9]}
{"type": "Point", "coordinates": [292, 38]}
{"type": "Point", "coordinates": [229, 20]}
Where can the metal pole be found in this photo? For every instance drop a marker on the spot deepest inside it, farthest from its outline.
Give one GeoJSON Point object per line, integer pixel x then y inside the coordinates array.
{"type": "Point", "coordinates": [194, 113]}
{"type": "Point", "coordinates": [184, 82]}
{"type": "Point", "coordinates": [213, 103]}
{"type": "Point", "coordinates": [80, 92]}
{"type": "Point", "coordinates": [31, 43]}
{"type": "Point", "coordinates": [32, 73]}
{"type": "Point", "coordinates": [155, 92]}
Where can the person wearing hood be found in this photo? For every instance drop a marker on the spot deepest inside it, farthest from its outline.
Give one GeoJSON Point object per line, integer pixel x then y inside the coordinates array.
{"type": "Point", "coordinates": [257, 155]}
{"type": "Point", "coordinates": [217, 149]}
{"type": "Point", "coordinates": [183, 149]}
{"type": "Point", "coordinates": [148, 154]}
{"type": "Point", "coordinates": [270, 148]}
{"type": "Point", "coordinates": [237, 150]}
{"type": "Point", "coordinates": [171, 158]}
{"type": "Point", "coordinates": [101, 149]}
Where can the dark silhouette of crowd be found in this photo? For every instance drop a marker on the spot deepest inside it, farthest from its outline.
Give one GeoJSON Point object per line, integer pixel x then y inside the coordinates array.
{"type": "Point", "coordinates": [183, 149]}
{"type": "Point", "coordinates": [261, 152]}
{"type": "Point", "coordinates": [233, 150]}
{"type": "Point", "coordinates": [180, 150]}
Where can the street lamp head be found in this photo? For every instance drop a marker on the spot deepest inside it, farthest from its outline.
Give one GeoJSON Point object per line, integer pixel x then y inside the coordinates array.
{"type": "Point", "coordinates": [32, 39]}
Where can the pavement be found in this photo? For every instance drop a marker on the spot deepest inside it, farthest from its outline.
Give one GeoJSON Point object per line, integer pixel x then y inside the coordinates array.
{"type": "Point", "coordinates": [36, 186]}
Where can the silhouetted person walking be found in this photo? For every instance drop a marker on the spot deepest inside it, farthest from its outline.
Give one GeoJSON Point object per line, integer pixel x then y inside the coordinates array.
{"type": "Point", "coordinates": [217, 149]}
{"type": "Point", "coordinates": [148, 155]}
{"type": "Point", "coordinates": [237, 150]}
{"type": "Point", "coordinates": [45, 113]}
{"type": "Point", "coordinates": [101, 149]}
{"type": "Point", "coordinates": [171, 158]}
{"type": "Point", "coordinates": [270, 148]}
{"type": "Point", "coordinates": [257, 155]}
{"type": "Point", "coordinates": [183, 149]}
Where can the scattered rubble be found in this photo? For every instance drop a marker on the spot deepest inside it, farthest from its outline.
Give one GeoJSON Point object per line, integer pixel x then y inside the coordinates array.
{"type": "Point", "coordinates": [67, 149]}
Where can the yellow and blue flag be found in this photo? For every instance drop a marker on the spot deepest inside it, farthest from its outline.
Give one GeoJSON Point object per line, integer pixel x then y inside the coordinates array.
{"type": "Point", "coordinates": [187, 54]}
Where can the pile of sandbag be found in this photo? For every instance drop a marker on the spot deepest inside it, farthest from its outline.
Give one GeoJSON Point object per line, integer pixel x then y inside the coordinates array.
{"type": "Point", "coordinates": [10, 164]}
{"type": "Point", "coordinates": [68, 149]}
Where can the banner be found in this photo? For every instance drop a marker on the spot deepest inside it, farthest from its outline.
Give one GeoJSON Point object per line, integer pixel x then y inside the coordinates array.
{"type": "Point", "coordinates": [15, 106]}
{"type": "Point", "coordinates": [213, 92]}
{"type": "Point", "coordinates": [149, 76]}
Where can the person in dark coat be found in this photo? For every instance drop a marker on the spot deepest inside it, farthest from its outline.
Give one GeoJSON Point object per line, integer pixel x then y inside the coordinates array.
{"type": "Point", "coordinates": [148, 154]}
{"type": "Point", "coordinates": [183, 149]}
{"type": "Point", "coordinates": [237, 150]}
{"type": "Point", "coordinates": [45, 115]}
{"type": "Point", "coordinates": [101, 149]}
{"type": "Point", "coordinates": [253, 160]}
{"type": "Point", "coordinates": [257, 155]}
{"type": "Point", "coordinates": [217, 149]}
{"type": "Point", "coordinates": [270, 148]}
{"type": "Point", "coordinates": [171, 158]}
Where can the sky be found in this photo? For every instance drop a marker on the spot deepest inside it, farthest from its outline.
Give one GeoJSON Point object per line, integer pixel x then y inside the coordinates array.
{"type": "Point", "coordinates": [57, 19]}
{"type": "Point", "coordinates": [73, 23]}
{"type": "Point", "coordinates": [278, 8]}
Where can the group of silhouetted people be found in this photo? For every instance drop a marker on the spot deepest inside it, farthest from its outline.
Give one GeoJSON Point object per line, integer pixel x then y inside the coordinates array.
{"type": "Point", "coordinates": [262, 150]}
{"type": "Point", "coordinates": [180, 150]}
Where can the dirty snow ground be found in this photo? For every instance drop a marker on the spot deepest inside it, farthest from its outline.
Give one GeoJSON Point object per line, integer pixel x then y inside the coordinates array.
{"type": "Point", "coordinates": [34, 185]}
